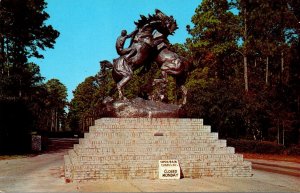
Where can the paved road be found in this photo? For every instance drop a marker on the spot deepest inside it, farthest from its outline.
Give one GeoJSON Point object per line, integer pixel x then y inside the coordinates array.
{"type": "Point", "coordinates": [279, 167]}
{"type": "Point", "coordinates": [44, 173]}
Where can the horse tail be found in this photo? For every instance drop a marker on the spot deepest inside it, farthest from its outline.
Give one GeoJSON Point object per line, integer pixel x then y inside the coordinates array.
{"type": "Point", "coordinates": [106, 63]}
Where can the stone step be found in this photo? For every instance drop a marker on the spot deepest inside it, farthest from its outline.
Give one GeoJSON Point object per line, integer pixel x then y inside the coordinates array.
{"type": "Point", "coordinates": [187, 128]}
{"type": "Point", "coordinates": [144, 141]}
{"type": "Point", "coordinates": [185, 170]}
{"type": "Point", "coordinates": [153, 164]}
{"type": "Point", "coordinates": [152, 173]}
{"type": "Point", "coordinates": [149, 121]}
{"type": "Point", "coordinates": [148, 150]}
{"type": "Point", "coordinates": [202, 143]}
{"type": "Point", "coordinates": [135, 164]}
{"type": "Point", "coordinates": [158, 143]}
{"type": "Point", "coordinates": [131, 149]}
{"type": "Point", "coordinates": [98, 158]}
{"type": "Point", "coordinates": [121, 133]}
{"type": "Point", "coordinates": [150, 139]}
{"type": "Point", "coordinates": [139, 136]}
{"type": "Point", "coordinates": [138, 159]}
{"type": "Point", "coordinates": [117, 158]}
{"type": "Point", "coordinates": [87, 177]}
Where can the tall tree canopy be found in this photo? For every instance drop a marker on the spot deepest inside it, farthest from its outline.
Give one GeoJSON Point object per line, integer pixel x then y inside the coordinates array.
{"type": "Point", "coordinates": [23, 30]}
{"type": "Point", "coordinates": [214, 34]}
{"type": "Point", "coordinates": [82, 107]}
{"type": "Point", "coordinates": [23, 95]}
{"type": "Point", "coordinates": [245, 76]}
{"type": "Point", "coordinates": [56, 103]}
{"type": "Point", "coordinates": [250, 56]}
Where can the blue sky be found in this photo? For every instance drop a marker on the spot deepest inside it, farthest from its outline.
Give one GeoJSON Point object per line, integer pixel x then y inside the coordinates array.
{"type": "Point", "coordinates": [89, 28]}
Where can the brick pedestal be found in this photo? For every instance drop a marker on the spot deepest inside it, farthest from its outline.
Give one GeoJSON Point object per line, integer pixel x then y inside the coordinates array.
{"type": "Point", "coordinates": [129, 148]}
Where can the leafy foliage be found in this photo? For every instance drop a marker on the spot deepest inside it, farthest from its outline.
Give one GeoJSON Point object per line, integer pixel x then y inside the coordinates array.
{"type": "Point", "coordinates": [24, 98]}
{"type": "Point", "coordinates": [272, 35]}
{"type": "Point", "coordinates": [23, 30]}
{"type": "Point", "coordinates": [83, 103]}
{"type": "Point", "coordinates": [256, 45]}
{"type": "Point", "coordinates": [56, 102]}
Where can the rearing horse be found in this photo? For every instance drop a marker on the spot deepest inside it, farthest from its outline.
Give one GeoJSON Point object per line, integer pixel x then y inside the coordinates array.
{"type": "Point", "coordinates": [143, 43]}
{"type": "Point", "coordinates": [151, 44]}
{"type": "Point", "coordinates": [169, 62]}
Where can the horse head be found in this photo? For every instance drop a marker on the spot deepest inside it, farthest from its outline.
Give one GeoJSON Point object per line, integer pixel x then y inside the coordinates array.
{"type": "Point", "coordinates": [168, 23]}
{"type": "Point", "coordinates": [159, 21]}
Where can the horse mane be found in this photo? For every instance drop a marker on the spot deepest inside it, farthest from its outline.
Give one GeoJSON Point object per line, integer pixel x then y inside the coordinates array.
{"type": "Point", "coordinates": [158, 16]}
{"type": "Point", "coordinates": [145, 20]}
{"type": "Point", "coordinates": [168, 23]}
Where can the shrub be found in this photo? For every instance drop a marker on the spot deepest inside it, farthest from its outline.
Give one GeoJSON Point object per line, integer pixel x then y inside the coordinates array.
{"type": "Point", "coordinates": [251, 146]}
{"type": "Point", "coordinates": [268, 147]}
{"type": "Point", "coordinates": [242, 145]}
{"type": "Point", "coordinates": [293, 150]}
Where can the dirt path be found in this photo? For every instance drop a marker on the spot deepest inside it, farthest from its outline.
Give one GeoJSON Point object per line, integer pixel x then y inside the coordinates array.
{"type": "Point", "coordinates": [44, 173]}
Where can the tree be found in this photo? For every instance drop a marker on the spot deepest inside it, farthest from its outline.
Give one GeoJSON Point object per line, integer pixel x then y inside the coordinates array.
{"type": "Point", "coordinates": [23, 95]}
{"type": "Point", "coordinates": [267, 35]}
{"type": "Point", "coordinates": [56, 103]}
{"type": "Point", "coordinates": [272, 30]}
{"type": "Point", "coordinates": [214, 35]}
{"type": "Point", "coordinates": [23, 31]}
{"type": "Point", "coordinates": [23, 114]}
{"type": "Point", "coordinates": [82, 110]}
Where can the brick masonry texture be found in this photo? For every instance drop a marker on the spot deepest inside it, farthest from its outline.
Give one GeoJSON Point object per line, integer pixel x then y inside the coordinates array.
{"type": "Point", "coordinates": [129, 148]}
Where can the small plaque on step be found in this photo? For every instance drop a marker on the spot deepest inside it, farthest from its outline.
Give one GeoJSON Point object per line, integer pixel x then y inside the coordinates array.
{"type": "Point", "coordinates": [168, 169]}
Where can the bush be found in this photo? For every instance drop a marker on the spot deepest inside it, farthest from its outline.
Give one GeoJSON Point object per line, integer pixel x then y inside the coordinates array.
{"type": "Point", "coordinates": [251, 146]}
{"type": "Point", "coordinates": [268, 147]}
{"type": "Point", "coordinates": [293, 150]}
{"type": "Point", "coordinates": [242, 145]}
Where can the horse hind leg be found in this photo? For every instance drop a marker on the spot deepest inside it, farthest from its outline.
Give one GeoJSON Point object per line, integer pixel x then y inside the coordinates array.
{"type": "Point", "coordinates": [163, 86]}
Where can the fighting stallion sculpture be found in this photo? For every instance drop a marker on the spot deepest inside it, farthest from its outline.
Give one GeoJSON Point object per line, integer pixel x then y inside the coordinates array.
{"type": "Point", "coordinates": [149, 44]}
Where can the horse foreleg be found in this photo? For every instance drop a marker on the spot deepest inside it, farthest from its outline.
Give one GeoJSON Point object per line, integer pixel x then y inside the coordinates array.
{"type": "Point", "coordinates": [184, 92]}
{"type": "Point", "coordinates": [163, 87]}
{"type": "Point", "coordinates": [120, 86]}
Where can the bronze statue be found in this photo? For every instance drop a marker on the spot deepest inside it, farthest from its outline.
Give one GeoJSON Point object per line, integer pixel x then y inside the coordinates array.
{"type": "Point", "coordinates": [128, 52]}
{"type": "Point", "coordinates": [149, 44]}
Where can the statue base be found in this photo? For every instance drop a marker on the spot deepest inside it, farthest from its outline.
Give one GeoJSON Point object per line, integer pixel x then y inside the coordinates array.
{"type": "Point", "coordinates": [140, 108]}
{"type": "Point", "coordinates": [131, 148]}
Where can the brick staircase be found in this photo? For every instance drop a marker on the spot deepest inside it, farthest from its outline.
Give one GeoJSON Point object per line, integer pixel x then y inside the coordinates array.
{"type": "Point", "coordinates": [129, 148]}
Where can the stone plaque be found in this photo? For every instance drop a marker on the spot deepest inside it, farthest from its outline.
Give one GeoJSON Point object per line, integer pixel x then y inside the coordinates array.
{"type": "Point", "coordinates": [168, 169]}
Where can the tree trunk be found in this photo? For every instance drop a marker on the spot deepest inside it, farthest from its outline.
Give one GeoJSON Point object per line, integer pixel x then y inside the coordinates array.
{"type": "Point", "coordinates": [20, 88]}
{"type": "Point", "coordinates": [283, 133]}
{"type": "Point", "coordinates": [2, 54]}
{"type": "Point", "coordinates": [52, 120]}
{"type": "Point", "coordinates": [298, 103]}
{"type": "Point", "coordinates": [7, 57]}
{"type": "Point", "coordinates": [246, 73]}
{"type": "Point", "coordinates": [56, 121]}
{"type": "Point", "coordinates": [83, 125]}
{"type": "Point", "coordinates": [245, 53]}
{"type": "Point", "coordinates": [282, 62]}
{"type": "Point", "coordinates": [278, 139]}
{"type": "Point", "coordinates": [267, 71]}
